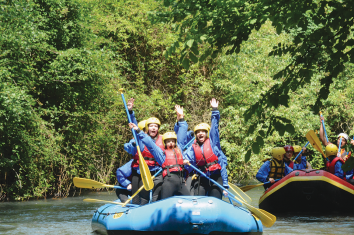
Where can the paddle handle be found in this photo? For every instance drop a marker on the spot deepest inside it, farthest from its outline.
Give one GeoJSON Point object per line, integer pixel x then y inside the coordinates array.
{"type": "Point", "coordinates": [118, 187]}
{"type": "Point", "coordinates": [301, 150]}
{"type": "Point", "coordinates": [216, 183]}
{"type": "Point", "coordinates": [141, 188]}
{"type": "Point", "coordinates": [127, 111]}
{"type": "Point", "coordinates": [324, 127]}
{"type": "Point", "coordinates": [189, 143]}
{"type": "Point", "coordinates": [340, 145]}
{"type": "Point", "coordinates": [268, 182]}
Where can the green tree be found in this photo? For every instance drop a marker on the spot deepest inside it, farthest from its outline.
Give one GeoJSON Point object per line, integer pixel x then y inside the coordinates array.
{"type": "Point", "coordinates": [320, 45]}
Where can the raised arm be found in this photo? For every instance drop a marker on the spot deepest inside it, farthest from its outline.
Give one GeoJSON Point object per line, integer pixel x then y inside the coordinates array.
{"type": "Point", "coordinates": [130, 106]}
{"type": "Point", "coordinates": [182, 126]}
{"type": "Point", "coordinates": [215, 117]}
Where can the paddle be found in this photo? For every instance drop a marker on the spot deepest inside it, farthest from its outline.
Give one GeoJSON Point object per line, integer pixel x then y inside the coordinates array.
{"type": "Point", "coordinates": [88, 183]}
{"type": "Point", "coordinates": [324, 127]}
{"type": "Point", "coordinates": [103, 201]}
{"type": "Point", "coordinates": [267, 219]}
{"type": "Point", "coordinates": [188, 144]}
{"type": "Point", "coordinates": [249, 187]}
{"type": "Point", "coordinates": [315, 142]}
{"type": "Point", "coordinates": [240, 193]}
{"type": "Point", "coordinates": [340, 145]}
{"type": "Point", "coordinates": [141, 188]}
{"type": "Point", "coordinates": [301, 151]}
{"type": "Point", "coordinates": [143, 167]}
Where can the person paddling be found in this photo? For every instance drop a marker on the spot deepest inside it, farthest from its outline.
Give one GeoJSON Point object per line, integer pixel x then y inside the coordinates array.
{"type": "Point", "coordinates": [152, 126]}
{"type": "Point", "coordinates": [290, 152]}
{"type": "Point", "coordinates": [273, 169]}
{"type": "Point", "coordinates": [301, 162]}
{"type": "Point", "coordinates": [171, 158]}
{"type": "Point", "coordinates": [205, 154]}
{"type": "Point", "coordinates": [344, 136]}
{"type": "Point", "coordinates": [335, 162]}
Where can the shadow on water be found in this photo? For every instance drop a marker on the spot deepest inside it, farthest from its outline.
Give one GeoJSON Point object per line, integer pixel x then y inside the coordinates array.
{"type": "Point", "coordinates": [314, 223]}
{"type": "Point", "coordinates": [73, 216]}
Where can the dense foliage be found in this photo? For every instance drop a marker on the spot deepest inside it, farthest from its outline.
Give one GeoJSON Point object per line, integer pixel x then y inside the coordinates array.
{"type": "Point", "coordinates": [62, 63]}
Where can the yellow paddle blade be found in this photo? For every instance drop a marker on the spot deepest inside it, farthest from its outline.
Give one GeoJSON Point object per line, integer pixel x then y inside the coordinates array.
{"type": "Point", "coordinates": [88, 183]}
{"type": "Point", "coordinates": [240, 193]}
{"type": "Point", "coordinates": [101, 201]}
{"type": "Point", "coordinates": [266, 220]}
{"type": "Point", "coordinates": [271, 216]}
{"type": "Point", "coordinates": [249, 187]}
{"type": "Point", "coordinates": [314, 141]}
{"type": "Point", "coordinates": [145, 172]}
{"type": "Point", "coordinates": [136, 193]}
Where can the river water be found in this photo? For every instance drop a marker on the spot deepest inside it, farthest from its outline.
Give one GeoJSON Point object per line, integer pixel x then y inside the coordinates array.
{"type": "Point", "coordinates": [73, 216]}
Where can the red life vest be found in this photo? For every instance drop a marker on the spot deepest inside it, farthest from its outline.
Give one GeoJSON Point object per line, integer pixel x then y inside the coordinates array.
{"type": "Point", "coordinates": [291, 164]}
{"type": "Point", "coordinates": [333, 163]}
{"type": "Point", "coordinates": [207, 161]}
{"type": "Point", "coordinates": [173, 161]}
{"type": "Point", "coordinates": [149, 158]}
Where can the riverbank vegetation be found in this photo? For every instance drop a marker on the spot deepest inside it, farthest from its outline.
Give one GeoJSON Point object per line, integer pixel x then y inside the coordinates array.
{"type": "Point", "coordinates": [62, 63]}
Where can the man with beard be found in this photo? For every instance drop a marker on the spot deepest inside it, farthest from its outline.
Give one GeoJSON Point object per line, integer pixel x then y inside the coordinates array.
{"type": "Point", "coordinates": [273, 169]}
{"type": "Point", "coordinates": [205, 154]}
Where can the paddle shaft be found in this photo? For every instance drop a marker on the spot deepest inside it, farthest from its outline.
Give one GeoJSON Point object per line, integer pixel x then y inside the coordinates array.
{"type": "Point", "coordinates": [189, 143]}
{"type": "Point", "coordinates": [216, 183]}
{"type": "Point", "coordinates": [268, 182]}
{"type": "Point", "coordinates": [129, 119]}
{"type": "Point", "coordinates": [141, 188]}
{"type": "Point", "coordinates": [324, 127]}
{"type": "Point", "coordinates": [340, 145]}
{"type": "Point", "coordinates": [301, 151]}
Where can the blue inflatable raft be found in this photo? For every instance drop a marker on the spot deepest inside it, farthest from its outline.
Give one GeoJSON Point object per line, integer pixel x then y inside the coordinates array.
{"type": "Point", "coordinates": [176, 215]}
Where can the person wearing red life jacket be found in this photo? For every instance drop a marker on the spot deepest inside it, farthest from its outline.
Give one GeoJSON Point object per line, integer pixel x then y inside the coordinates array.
{"type": "Point", "coordinates": [344, 136]}
{"type": "Point", "coordinates": [301, 162]}
{"type": "Point", "coordinates": [289, 153]}
{"type": "Point", "coordinates": [171, 160]}
{"type": "Point", "coordinates": [152, 126]}
{"type": "Point", "coordinates": [335, 162]}
{"type": "Point", "coordinates": [205, 154]}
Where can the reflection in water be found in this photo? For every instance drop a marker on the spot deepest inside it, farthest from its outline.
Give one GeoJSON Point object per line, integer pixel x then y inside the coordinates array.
{"type": "Point", "coordinates": [73, 216]}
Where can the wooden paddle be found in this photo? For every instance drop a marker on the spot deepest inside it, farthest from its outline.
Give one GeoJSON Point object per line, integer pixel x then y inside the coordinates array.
{"type": "Point", "coordinates": [88, 183]}
{"type": "Point", "coordinates": [249, 187]}
{"type": "Point", "coordinates": [143, 167]}
{"type": "Point", "coordinates": [267, 219]}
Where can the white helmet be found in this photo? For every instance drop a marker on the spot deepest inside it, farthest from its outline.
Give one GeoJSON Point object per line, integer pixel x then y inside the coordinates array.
{"type": "Point", "coordinates": [343, 135]}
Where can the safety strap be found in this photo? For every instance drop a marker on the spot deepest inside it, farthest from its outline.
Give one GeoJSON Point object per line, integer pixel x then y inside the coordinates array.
{"type": "Point", "coordinates": [171, 166]}
{"type": "Point", "coordinates": [206, 166]}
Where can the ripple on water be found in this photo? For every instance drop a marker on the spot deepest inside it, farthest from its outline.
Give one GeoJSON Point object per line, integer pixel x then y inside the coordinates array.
{"type": "Point", "coordinates": [73, 216]}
